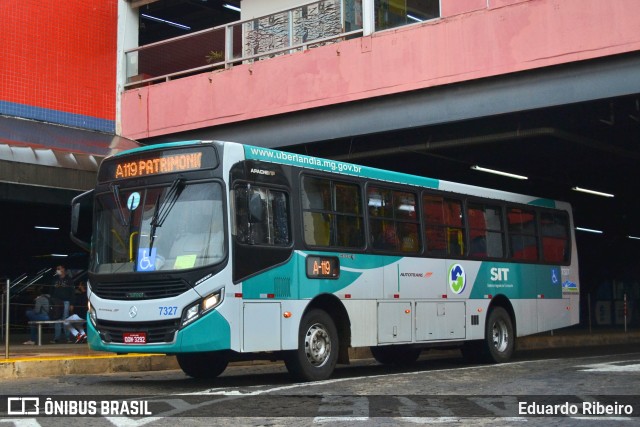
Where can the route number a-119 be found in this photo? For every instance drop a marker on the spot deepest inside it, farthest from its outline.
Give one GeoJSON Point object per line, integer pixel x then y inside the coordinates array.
{"type": "Point", "coordinates": [323, 267]}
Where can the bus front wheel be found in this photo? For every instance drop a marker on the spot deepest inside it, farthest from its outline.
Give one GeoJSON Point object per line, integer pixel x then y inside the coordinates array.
{"type": "Point", "coordinates": [317, 353]}
{"type": "Point", "coordinates": [499, 338]}
{"type": "Point", "coordinates": [202, 365]}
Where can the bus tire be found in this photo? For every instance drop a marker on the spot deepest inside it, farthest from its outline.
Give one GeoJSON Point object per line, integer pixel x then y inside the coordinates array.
{"type": "Point", "coordinates": [395, 355]}
{"type": "Point", "coordinates": [499, 337]}
{"type": "Point", "coordinates": [202, 365]}
{"type": "Point", "coordinates": [317, 353]}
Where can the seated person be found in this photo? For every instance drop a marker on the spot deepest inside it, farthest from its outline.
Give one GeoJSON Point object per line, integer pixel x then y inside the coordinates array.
{"type": "Point", "coordinates": [74, 325]}
{"type": "Point", "coordinates": [40, 311]}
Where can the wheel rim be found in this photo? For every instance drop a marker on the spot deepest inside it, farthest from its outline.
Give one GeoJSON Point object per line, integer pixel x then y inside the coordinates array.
{"type": "Point", "coordinates": [317, 345]}
{"type": "Point", "coordinates": [500, 334]}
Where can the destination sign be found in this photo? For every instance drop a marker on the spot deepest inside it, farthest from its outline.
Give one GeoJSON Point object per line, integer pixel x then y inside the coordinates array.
{"type": "Point", "coordinates": [323, 267]}
{"type": "Point", "coordinates": [156, 165]}
{"type": "Point", "coordinates": [158, 162]}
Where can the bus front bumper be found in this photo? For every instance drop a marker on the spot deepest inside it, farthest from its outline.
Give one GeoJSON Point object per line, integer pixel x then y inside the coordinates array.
{"type": "Point", "coordinates": [209, 333]}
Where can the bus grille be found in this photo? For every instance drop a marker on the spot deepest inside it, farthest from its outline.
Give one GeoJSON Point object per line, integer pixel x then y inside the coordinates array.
{"type": "Point", "coordinates": [137, 290]}
{"type": "Point", "coordinates": [157, 332]}
{"type": "Point", "coordinates": [282, 287]}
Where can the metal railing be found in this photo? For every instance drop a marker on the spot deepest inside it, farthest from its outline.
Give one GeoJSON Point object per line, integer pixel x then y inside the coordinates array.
{"type": "Point", "coordinates": [15, 287]}
{"type": "Point", "coordinates": [288, 31]}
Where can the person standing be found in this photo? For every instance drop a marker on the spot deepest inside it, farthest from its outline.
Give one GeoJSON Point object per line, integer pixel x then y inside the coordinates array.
{"type": "Point", "coordinates": [63, 291]}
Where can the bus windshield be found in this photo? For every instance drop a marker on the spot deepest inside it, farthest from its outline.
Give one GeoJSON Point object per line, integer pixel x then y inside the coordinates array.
{"type": "Point", "coordinates": [172, 227]}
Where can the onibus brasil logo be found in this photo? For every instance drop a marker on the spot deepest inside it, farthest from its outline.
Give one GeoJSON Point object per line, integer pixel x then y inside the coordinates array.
{"type": "Point", "coordinates": [457, 278]}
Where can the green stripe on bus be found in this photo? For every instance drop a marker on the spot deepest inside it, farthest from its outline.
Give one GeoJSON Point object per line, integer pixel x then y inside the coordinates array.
{"type": "Point", "coordinates": [298, 285]}
{"type": "Point", "coordinates": [156, 147]}
{"type": "Point", "coordinates": [543, 203]}
{"type": "Point", "coordinates": [327, 165]}
{"type": "Point", "coordinates": [517, 281]}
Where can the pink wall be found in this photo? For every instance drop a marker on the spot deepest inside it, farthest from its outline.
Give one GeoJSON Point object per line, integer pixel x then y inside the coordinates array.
{"type": "Point", "coordinates": [510, 36]}
{"type": "Point", "coordinates": [450, 8]}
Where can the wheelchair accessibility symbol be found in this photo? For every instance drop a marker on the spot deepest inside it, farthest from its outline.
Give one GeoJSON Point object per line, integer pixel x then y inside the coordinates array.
{"type": "Point", "coordinates": [146, 261]}
{"type": "Point", "coordinates": [555, 276]}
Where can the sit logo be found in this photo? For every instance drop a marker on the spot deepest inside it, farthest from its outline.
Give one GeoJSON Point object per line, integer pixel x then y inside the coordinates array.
{"type": "Point", "coordinates": [499, 274]}
{"type": "Point", "coordinates": [457, 278]}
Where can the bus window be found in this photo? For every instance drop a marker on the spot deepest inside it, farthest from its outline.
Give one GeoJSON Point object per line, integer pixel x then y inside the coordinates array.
{"type": "Point", "coordinates": [486, 238]}
{"type": "Point", "coordinates": [393, 222]}
{"type": "Point", "coordinates": [349, 224]}
{"type": "Point", "coordinates": [161, 228]}
{"type": "Point", "coordinates": [408, 229]}
{"type": "Point", "coordinates": [444, 226]}
{"type": "Point", "coordinates": [332, 213]}
{"type": "Point", "coordinates": [522, 234]}
{"type": "Point", "coordinates": [316, 206]}
{"type": "Point", "coordinates": [262, 216]}
{"type": "Point", "coordinates": [554, 229]}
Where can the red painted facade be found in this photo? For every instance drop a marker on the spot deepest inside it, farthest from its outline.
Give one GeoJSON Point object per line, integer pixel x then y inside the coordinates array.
{"type": "Point", "coordinates": [471, 41]}
{"type": "Point", "coordinates": [59, 58]}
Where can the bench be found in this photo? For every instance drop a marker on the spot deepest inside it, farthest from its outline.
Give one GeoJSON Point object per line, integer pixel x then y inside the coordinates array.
{"type": "Point", "coordinates": [39, 323]}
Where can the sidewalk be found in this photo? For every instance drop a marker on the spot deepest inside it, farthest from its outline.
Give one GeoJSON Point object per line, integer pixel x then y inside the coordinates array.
{"type": "Point", "coordinates": [29, 361]}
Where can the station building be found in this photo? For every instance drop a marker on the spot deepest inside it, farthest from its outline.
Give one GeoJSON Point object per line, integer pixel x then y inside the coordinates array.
{"type": "Point", "coordinates": [543, 89]}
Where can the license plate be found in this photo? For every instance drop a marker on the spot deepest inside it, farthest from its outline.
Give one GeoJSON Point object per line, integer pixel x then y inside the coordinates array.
{"type": "Point", "coordinates": [135, 337]}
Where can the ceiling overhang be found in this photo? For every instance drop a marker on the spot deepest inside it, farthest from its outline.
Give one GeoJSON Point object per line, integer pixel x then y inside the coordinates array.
{"type": "Point", "coordinates": [47, 155]}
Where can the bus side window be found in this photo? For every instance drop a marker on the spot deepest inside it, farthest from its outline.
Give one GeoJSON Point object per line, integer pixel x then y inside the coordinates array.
{"type": "Point", "coordinates": [554, 229]}
{"type": "Point", "coordinates": [262, 216]}
{"type": "Point", "coordinates": [332, 213]}
{"type": "Point", "coordinates": [522, 234]}
{"type": "Point", "coordinates": [485, 222]}
{"type": "Point", "coordinates": [393, 220]}
{"type": "Point", "coordinates": [444, 226]}
{"type": "Point", "coordinates": [348, 212]}
{"type": "Point", "coordinates": [241, 206]}
{"type": "Point", "coordinates": [316, 205]}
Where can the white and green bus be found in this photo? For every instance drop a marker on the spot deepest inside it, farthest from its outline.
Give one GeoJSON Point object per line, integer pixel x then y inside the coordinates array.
{"type": "Point", "coordinates": [216, 251]}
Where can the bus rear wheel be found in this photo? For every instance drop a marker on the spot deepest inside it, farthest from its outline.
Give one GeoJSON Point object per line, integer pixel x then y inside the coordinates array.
{"type": "Point", "coordinates": [317, 353]}
{"type": "Point", "coordinates": [395, 355]}
{"type": "Point", "coordinates": [202, 365]}
{"type": "Point", "coordinates": [499, 337]}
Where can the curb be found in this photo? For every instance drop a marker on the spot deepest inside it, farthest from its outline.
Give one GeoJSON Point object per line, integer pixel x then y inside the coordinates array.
{"type": "Point", "coordinates": [537, 342]}
{"type": "Point", "coordinates": [34, 367]}
{"type": "Point", "coordinates": [85, 365]}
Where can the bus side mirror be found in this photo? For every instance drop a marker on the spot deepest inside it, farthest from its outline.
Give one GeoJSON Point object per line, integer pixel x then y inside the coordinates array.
{"type": "Point", "coordinates": [81, 216]}
{"type": "Point", "coordinates": [75, 218]}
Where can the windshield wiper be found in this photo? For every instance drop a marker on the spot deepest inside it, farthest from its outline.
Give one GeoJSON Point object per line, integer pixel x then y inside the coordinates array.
{"type": "Point", "coordinates": [116, 196]}
{"type": "Point", "coordinates": [163, 208]}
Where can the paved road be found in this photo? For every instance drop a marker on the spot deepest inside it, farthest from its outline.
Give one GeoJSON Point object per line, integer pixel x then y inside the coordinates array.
{"type": "Point", "coordinates": [440, 389]}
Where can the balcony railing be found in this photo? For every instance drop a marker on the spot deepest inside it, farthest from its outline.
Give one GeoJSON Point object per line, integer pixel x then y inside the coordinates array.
{"type": "Point", "coordinates": [291, 30]}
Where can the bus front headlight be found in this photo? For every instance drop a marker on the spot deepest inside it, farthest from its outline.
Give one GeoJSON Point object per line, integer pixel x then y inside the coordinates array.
{"type": "Point", "coordinates": [202, 306]}
{"type": "Point", "coordinates": [191, 314]}
{"type": "Point", "coordinates": [92, 315]}
{"type": "Point", "coordinates": [212, 301]}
